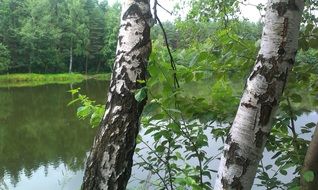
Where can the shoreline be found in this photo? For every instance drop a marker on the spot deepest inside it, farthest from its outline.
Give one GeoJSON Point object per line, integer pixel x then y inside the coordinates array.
{"type": "Point", "coordinates": [32, 79]}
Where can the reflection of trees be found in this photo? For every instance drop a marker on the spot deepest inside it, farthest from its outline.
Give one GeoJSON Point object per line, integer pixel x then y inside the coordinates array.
{"type": "Point", "coordinates": [39, 129]}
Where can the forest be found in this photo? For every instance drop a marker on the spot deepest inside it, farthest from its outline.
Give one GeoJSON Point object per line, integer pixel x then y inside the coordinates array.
{"type": "Point", "coordinates": [53, 36]}
{"type": "Point", "coordinates": [207, 100]}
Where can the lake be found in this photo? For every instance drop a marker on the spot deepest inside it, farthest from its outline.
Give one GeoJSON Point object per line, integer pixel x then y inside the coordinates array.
{"type": "Point", "coordinates": [44, 146]}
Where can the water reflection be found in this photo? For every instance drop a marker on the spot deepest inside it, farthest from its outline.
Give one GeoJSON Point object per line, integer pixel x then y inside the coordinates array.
{"type": "Point", "coordinates": [38, 132]}
{"type": "Point", "coordinates": [43, 145]}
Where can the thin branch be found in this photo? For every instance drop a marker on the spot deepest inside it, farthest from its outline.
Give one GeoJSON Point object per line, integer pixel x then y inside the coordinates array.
{"type": "Point", "coordinates": [164, 8]}
{"type": "Point", "coordinates": [154, 170]}
{"type": "Point", "coordinates": [163, 161]}
{"type": "Point", "coordinates": [172, 63]}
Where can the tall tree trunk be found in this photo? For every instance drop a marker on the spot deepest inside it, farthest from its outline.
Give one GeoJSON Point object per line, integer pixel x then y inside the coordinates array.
{"type": "Point", "coordinates": [86, 64]}
{"type": "Point", "coordinates": [110, 160]}
{"type": "Point", "coordinates": [311, 163]}
{"type": "Point", "coordinates": [245, 143]}
{"type": "Point", "coordinates": [71, 58]}
{"type": "Point", "coordinates": [98, 66]}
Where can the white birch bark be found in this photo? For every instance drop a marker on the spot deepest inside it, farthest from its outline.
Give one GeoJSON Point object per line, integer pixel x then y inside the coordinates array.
{"type": "Point", "coordinates": [110, 160]}
{"type": "Point", "coordinates": [245, 143]}
{"type": "Point", "coordinates": [71, 58]}
{"type": "Point", "coordinates": [311, 163]}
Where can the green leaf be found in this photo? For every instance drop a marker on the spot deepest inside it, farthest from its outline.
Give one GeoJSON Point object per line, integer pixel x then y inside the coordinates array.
{"type": "Point", "coordinates": [283, 172]}
{"type": "Point", "coordinates": [174, 110]}
{"type": "Point", "coordinates": [276, 155]}
{"type": "Point", "coordinates": [309, 28]}
{"type": "Point", "coordinates": [309, 176]}
{"type": "Point", "coordinates": [268, 167]}
{"type": "Point", "coordinates": [141, 81]}
{"type": "Point", "coordinates": [305, 131]}
{"type": "Point", "coordinates": [295, 188]}
{"type": "Point", "coordinates": [83, 111]}
{"type": "Point", "coordinates": [303, 44]}
{"type": "Point", "coordinates": [74, 91]}
{"type": "Point", "coordinates": [160, 149]}
{"type": "Point", "coordinates": [296, 98]}
{"type": "Point", "coordinates": [311, 125]}
{"type": "Point", "coordinates": [73, 101]}
{"type": "Point", "coordinates": [313, 43]}
{"type": "Point", "coordinates": [139, 139]}
{"type": "Point", "coordinates": [174, 127]}
{"type": "Point", "coordinates": [141, 94]}
{"type": "Point", "coordinates": [151, 108]}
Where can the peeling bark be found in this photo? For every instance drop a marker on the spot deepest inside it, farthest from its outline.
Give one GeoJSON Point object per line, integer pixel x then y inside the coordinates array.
{"type": "Point", "coordinates": [311, 163]}
{"type": "Point", "coordinates": [244, 146]}
{"type": "Point", "coordinates": [110, 160]}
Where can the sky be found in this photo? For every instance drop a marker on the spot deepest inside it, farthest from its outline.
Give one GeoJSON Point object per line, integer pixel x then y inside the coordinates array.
{"type": "Point", "coordinates": [249, 11]}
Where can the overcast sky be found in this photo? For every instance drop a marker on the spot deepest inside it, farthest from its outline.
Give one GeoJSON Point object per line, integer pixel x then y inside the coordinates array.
{"type": "Point", "coordinates": [250, 12]}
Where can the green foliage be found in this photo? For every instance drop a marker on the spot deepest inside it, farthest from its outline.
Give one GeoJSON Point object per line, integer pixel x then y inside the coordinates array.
{"type": "Point", "coordinates": [4, 57]}
{"type": "Point", "coordinates": [308, 176]}
{"type": "Point", "coordinates": [207, 10]}
{"type": "Point", "coordinates": [88, 109]}
{"type": "Point", "coordinates": [141, 94]}
{"type": "Point", "coordinates": [112, 17]}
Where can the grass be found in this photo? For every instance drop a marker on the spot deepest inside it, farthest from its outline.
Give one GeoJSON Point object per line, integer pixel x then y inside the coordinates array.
{"type": "Point", "coordinates": [31, 79]}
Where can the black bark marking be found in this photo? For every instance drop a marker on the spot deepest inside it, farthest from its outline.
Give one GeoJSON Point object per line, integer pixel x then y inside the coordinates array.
{"type": "Point", "coordinates": [245, 165]}
{"type": "Point", "coordinates": [120, 38]}
{"type": "Point", "coordinates": [292, 5]}
{"type": "Point", "coordinates": [127, 25]}
{"type": "Point", "coordinates": [232, 156]}
{"type": "Point", "coordinates": [281, 50]}
{"type": "Point", "coordinates": [145, 40]}
{"type": "Point", "coordinates": [269, 73]}
{"type": "Point", "coordinates": [265, 114]}
{"type": "Point", "coordinates": [261, 58]}
{"type": "Point", "coordinates": [284, 79]}
{"type": "Point", "coordinates": [259, 138]}
{"type": "Point", "coordinates": [285, 30]}
{"type": "Point", "coordinates": [236, 184]}
{"type": "Point", "coordinates": [225, 183]}
{"type": "Point", "coordinates": [248, 105]}
{"type": "Point", "coordinates": [228, 139]}
{"type": "Point", "coordinates": [291, 61]}
{"type": "Point", "coordinates": [134, 9]}
{"type": "Point", "coordinates": [282, 7]}
{"type": "Point", "coordinates": [283, 76]}
{"type": "Point", "coordinates": [263, 69]}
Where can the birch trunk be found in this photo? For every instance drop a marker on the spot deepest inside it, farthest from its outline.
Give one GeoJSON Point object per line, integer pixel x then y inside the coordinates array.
{"type": "Point", "coordinates": [71, 58]}
{"type": "Point", "coordinates": [110, 160]}
{"type": "Point", "coordinates": [245, 143]}
{"type": "Point", "coordinates": [311, 163]}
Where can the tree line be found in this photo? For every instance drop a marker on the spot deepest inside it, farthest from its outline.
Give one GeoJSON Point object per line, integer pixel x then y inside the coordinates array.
{"type": "Point", "coordinates": [50, 36]}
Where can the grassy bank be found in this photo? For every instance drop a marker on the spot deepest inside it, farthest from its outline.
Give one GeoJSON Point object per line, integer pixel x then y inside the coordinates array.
{"type": "Point", "coordinates": [31, 79]}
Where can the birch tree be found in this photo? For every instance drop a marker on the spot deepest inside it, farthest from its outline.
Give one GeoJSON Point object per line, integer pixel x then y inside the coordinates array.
{"type": "Point", "coordinates": [110, 160]}
{"type": "Point", "coordinates": [311, 163]}
{"type": "Point", "coordinates": [252, 124]}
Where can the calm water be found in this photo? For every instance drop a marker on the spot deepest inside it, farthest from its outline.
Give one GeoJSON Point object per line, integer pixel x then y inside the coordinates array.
{"type": "Point", "coordinates": [44, 146]}
{"type": "Point", "coordinates": [42, 143]}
